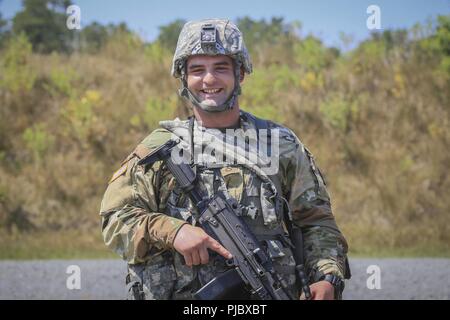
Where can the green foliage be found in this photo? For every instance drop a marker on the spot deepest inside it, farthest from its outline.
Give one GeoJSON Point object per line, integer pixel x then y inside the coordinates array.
{"type": "Point", "coordinates": [257, 89]}
{"type": "Point", "coordinates": [94, 37]}
{"type": "Point", "coordinates": [257, 33]}
{"type": "Point", "coordinates": [156, 109]}
{"type": "Point", "coordinates": [269, 111]}
{"type": "Point", "coordinates": [260, 92]}
{"type": "Point", "coordinates": [38, 141]}
{"type": "Point", "coordinates": [157, 52]}
{"type": "Point", "coordinates": [369, 117]}
{"type": "Point", "coordinates": [80, 115]}
{"type": "Point", "coordinates": [391, 38]}
{"type": "Point", "coordinates": [368, 55]}
{"type": "Point", "coordinates": [438, 41]}
{"type": "Point", "coordinates": [17, 75]}
{"type": "Point", "coordinates": [168, 34]}
{"type": "Point", "coordinates": [3, 24]}
{"type": "Point", "coordinates": [123, 44]}
{"type": "Point", "coordinates": [62, 81]}
{"type": "Point", "coordinates": [53, 245]}
{"type": "Point", "coordinates": [44, 23]}
{"type": "Point", "coordinates": [443, 37]}
{"type": "Point", "coordinates": [282, 77]}
{"type": "Point", "coordinates": [311, 81]}
{"type": "Point", "coordinates": [312, 55]}
{"type": "Point", "coordinates": [432, 45]}
{"type": "Point", "coordinates": [338, 111]}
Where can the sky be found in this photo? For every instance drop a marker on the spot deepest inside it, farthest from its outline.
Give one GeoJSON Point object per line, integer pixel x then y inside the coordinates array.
{"type": "Point", "coordinates": [325, 19]}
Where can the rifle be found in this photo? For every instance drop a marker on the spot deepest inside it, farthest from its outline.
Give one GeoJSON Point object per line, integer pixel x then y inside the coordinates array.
{"type": "Point", "coordinates": [250, 268]}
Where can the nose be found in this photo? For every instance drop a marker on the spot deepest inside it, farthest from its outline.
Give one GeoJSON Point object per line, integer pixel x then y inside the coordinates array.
{"type": "Point", "coordinates": [209, 77]}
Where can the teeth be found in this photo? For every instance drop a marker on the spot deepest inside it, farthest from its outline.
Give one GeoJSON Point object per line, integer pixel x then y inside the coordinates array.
{"type": "Point", "coordinates": [211, 90]}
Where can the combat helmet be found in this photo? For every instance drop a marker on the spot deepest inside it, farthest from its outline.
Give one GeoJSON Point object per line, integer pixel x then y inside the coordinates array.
{"type": "Point", "coordinates": [210, 37]}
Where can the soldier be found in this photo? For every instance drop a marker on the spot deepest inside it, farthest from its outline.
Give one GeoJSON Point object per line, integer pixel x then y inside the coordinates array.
{"type": "Point", "coordinates": [147, 219]}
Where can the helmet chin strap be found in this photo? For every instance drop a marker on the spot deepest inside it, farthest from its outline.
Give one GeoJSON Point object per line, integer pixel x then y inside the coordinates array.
{"type": "Point", "coordinates": [227, 105]}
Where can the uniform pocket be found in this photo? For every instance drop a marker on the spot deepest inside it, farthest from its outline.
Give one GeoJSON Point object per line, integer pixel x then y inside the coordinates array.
{"type": "Point", "coordinates": [283, 261]}
{"type": "Point", "coordinates": [234, 181]}
{"type": "Point", "coordinates": [159, 279]}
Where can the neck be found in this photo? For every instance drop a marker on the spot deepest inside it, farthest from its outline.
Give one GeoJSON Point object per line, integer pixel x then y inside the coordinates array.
{"type": "Point", "coordinates": [224, 119]}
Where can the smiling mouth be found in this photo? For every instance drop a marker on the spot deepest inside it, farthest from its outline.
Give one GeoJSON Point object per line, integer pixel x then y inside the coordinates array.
{"type": "Point", "coordinates": [211, 91]}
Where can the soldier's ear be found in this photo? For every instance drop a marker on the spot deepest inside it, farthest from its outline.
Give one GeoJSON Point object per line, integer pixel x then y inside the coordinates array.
{"type": "Point", "coordinates": [241, 75]}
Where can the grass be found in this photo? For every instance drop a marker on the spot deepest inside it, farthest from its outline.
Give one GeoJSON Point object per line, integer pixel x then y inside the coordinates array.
{"type": "Point", "coordinates": [77, 245]}
{"type": "Point", "coordinates": [409, 252]}
{"type": "Point", "coordinates": [55, 245]}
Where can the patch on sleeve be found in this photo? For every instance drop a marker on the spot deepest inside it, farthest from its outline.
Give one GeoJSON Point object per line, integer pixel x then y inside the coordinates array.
{"type": "Point", "coordinates": [119, 172]}
{"type": "Point", "coordinates": [142, 151]}
{"type": "Point", "coordinates": [314, 168]}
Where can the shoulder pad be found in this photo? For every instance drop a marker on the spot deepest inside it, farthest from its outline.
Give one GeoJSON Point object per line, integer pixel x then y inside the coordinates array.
{"type": "Point", "coordinates": [140, 152]}
{"type": "Point", "coordinates": [285, 133]}
{"type": "Point", "coordinates": [157, 138]}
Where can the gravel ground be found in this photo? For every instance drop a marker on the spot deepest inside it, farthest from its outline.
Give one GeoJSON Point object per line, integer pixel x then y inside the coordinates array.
{"type": "Point", "coordinates": [104, 279]}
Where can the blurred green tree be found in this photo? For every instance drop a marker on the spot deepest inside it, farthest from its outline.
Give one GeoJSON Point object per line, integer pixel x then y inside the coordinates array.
{"type": "Point", "coordinates": [3, 32]}
{"type": "Point", "coordinates": [313, 55]}
{"type": "Point", "coordinates": [391, 38]}
{"type": "Point", "coordinates": [168, 34]}
{"type": "Point", "coordinates": [443, 33]}
{"type": "Point", "coordinates": [261, 32]}
{"type": "Point", "coordinates": [443, 37]}
{"type": "Point", "coordinates": [44, 23]}
{"type": "Point", "coordinates": [2, 22]}
{"type": "Point", "coordinates": [93, 37]}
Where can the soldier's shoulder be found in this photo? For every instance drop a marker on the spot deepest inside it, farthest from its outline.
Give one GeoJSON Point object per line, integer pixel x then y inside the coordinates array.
{"type": "Point", "coordinates": [283, 132]}
{"type": "Point", "coordinates": [155, 139]}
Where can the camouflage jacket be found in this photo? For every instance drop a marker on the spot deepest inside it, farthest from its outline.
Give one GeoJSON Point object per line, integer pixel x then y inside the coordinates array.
{"type": "Point", "coordinates": [136, 209]}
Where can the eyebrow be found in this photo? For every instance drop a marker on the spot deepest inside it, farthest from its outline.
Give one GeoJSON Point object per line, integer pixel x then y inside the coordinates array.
{"type": "Point", "coordinates": [217, 64]}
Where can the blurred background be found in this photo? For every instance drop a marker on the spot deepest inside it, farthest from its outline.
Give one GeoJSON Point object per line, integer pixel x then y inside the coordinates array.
{"type": "Point", "coordinates": [372, 105]}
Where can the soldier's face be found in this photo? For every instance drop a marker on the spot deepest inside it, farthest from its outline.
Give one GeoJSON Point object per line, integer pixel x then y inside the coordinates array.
{"type": "Point", "coordinates": [210, 78]}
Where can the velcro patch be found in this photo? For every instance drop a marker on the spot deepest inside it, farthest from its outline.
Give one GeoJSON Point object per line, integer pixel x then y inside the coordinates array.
{"type": "Point", "coordinates": [119, 172]}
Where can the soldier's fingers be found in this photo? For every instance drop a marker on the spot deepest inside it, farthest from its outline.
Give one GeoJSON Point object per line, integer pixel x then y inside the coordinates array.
{"type": "Point", "coordinates": [195, 258]}
{"type": "Point", "coordinates": [204, 256]}
{"type": "Point", "coordinates": [188, 259]}
{"type": "Point", "coordinates": [313, 293]}
{"type": "Point", "coordinates": [217, 247]}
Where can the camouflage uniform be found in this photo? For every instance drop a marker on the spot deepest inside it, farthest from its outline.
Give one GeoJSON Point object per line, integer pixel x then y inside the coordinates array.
{"type": "Point", "coordinates": [142, 210]}
{"type": "Point", "coordinates": [143, 207]}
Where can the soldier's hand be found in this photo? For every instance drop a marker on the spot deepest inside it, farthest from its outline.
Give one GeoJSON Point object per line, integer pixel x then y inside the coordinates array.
{"type": "Point", "coordinates": [322, 290]}
{"type": "Point", "coordinates": [193, 243]}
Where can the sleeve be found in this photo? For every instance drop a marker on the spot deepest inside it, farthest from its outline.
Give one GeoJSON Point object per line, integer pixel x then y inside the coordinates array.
{"type": "Point", "coordinates": [325, 248]}
{"type": "Point", "coordinates": [133, 224]}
